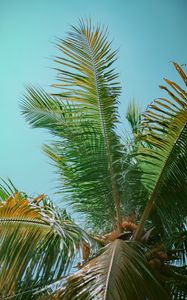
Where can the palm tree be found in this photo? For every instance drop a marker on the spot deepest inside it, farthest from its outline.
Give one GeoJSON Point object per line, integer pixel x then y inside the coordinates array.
{"type": "Point", "coordinates": [132, 195]}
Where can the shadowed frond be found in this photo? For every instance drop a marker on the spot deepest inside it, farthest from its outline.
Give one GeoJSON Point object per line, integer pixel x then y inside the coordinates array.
{"type": "Point", "coordinates": [120, 272]}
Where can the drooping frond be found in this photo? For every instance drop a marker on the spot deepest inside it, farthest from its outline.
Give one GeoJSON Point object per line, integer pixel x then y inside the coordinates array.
{"type": "Point", "coordinates": [162, 165]}
{"type": "Point", "coordinates": [86, 123]}
{"type": "Point", "coordinates": [120, 272]}
{"type": "Point", "coordinates": [37, 247]}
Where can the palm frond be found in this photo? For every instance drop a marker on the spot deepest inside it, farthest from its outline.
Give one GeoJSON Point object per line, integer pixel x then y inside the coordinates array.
{"type": "Point", "coordinates": [37, 247]}
{"type": "Point", "coordinates": [78, 154]}
{"type": "Point", "coordinates": [89, 147]}
{"type": "Point", "coordinates": [120, 272]}
{"type": "Point", "coordinates": [162, 166]}
{"type": "Point", "coordinates": [7, 188]}
{"type": "Point", "coordinates": [133, 116]}
{"type": "Point", "coordinates": [175, 281]}
{"type": "Point", "coordinates": [177, 247]}
{"type": "Point", "coordinates": [91, 80]}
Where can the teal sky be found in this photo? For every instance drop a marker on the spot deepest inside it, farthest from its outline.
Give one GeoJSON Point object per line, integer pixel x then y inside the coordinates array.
{"type": "Point", "coordinates": [149, 34]}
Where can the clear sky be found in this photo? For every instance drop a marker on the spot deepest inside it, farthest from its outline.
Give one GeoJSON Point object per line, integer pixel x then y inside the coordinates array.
{"type": "Point", "coordinates": [148, 33]}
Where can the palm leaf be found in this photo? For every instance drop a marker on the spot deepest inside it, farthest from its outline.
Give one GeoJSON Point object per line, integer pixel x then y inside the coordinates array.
{"type": "Point", "coordinates": [88, 82]}
{"type": "Point", "coordinates": [37, 247]}
{"type": "Point", "coordinates": [120, 272]}
{"type": "Point", "coordinates": [162, 166]}
{"type": "Point", "coordinates": [7, 189]}
{"type": "Point", "coordinates": [78, 154]}
{"type": "Point", "coordinates": [134, 117]}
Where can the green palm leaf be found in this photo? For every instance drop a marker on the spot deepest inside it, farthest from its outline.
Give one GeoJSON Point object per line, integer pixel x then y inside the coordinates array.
{"type": "Point", "coordinates": [87, 81]}
{"type": "Point", "coordinates": [162, 165]}
{"type": "Point", "coordinates": [78, 154]}
{"type": "Point", "coordinates": [7, 189]}
{"type": "Point", "coordinates": [134, 117]}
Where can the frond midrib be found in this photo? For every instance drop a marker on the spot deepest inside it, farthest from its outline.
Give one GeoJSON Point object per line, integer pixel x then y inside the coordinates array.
{"type": "Point", "coordinates": [109, 271]}
{"type": "Point", "coordinates": [24, 221]}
